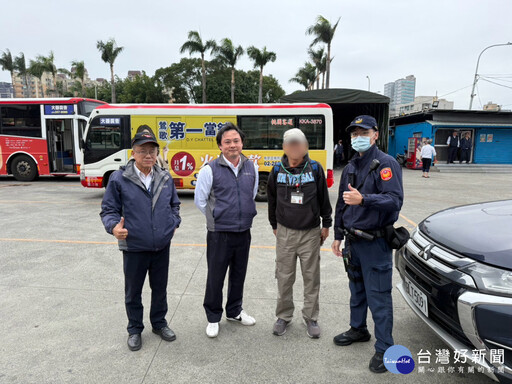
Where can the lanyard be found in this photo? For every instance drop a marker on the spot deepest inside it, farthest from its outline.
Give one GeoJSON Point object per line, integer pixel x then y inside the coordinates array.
{"type": "Point", "coordinates": [300, 175]}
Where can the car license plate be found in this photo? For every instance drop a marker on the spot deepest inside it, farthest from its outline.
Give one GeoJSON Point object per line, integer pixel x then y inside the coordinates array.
{"type": "Point", "coordinates": [418, 298]}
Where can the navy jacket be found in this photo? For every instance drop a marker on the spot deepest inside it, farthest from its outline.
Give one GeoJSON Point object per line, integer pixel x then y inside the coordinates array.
{"type": "Point", "coordinates": [382, 192]}
{"type": "Point", "coordinates": [150, 217]}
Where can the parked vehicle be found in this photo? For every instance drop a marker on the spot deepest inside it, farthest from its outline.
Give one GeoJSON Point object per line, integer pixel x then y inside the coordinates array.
{"type": "Point", "coordinates": [456, 275]}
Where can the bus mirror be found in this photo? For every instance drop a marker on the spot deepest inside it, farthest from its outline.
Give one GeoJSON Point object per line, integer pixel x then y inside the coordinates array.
{"type": "Point", "coordinates": [81, 144]}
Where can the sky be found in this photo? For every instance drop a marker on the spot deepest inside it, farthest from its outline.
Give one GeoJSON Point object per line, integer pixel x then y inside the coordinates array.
{"type": "Point", "coordinates": [436, 41]}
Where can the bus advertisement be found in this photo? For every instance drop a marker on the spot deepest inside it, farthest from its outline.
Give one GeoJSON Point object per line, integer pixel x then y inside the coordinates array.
{"type": "Point", "coordinates": [186, 134]}
{"type": "Point", "coordinates": [42, 136]}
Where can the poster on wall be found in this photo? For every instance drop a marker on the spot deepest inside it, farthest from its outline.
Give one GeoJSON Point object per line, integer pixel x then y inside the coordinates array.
{"type": "Point", "coordinates": [489, 137]}
{"type": "Point", "coordinates": [482, 138]}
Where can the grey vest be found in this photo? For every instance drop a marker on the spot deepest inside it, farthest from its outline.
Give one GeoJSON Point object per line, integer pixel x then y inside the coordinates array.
{"type": "Point", "coordinates": [230, 206]}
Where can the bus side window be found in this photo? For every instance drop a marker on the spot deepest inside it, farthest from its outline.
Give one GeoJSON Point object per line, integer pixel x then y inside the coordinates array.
{"type": "Point", "coordinates": [21, 120]}
{"type": "Point", "coordinates": [314, 128]}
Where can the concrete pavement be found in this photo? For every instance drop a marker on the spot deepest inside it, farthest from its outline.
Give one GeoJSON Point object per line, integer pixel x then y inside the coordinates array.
{"type": "Point", "coordinates": [62, 301]}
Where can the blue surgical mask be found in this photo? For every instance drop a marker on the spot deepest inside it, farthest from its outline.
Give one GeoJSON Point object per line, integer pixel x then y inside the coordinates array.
{"type": "Point", "coordinates": [361, 143]}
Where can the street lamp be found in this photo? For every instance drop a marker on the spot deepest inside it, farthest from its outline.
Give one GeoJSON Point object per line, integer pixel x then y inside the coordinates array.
{"type": "Point", "coordinates": [476, 70]}
{"type": "Point", "coordinates": [368, 77]}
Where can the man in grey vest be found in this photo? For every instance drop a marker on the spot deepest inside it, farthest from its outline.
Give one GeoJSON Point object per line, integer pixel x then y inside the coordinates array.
{"type": "Point", "coordinates": [225, 192]}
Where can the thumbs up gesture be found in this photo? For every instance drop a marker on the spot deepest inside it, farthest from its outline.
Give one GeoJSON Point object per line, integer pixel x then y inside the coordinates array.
{"type": "Point", "coordinates": [352, 196]}
{"type": "Point", "coordinates": [119, 231]}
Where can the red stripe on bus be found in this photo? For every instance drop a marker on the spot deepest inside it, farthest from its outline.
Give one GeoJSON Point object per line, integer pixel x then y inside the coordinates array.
{"type": "Point", "coordinates": [73, 100]}
{"type": "Point", "coordinates": [217, 106]}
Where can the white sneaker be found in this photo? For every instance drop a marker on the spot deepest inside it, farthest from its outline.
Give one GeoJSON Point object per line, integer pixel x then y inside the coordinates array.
{"type": "Point", "coordinates": [243, 318]}
{"type": "Point", "coordinates": [212, 330]}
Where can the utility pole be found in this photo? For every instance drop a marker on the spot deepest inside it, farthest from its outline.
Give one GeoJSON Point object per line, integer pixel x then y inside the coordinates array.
{"type": "Point", "coordinates": [476, 70]}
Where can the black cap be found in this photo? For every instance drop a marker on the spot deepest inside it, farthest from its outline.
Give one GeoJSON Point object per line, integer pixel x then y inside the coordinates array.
{"type": "Point", "coordinates": [365, 122]}
{"type": "Point", "coordinates": [143, 138]}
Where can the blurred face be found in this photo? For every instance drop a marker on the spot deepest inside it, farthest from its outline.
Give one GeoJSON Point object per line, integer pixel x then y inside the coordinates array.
{"type": "Point", "coordinates": [295, 150]}
{"type": "Point", "coordinates": [231, 145]}
{"type": "Point", "coordinates": [145, 155]}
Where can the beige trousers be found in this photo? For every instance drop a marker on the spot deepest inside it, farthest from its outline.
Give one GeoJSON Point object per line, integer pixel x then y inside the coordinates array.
{"type": "Point", "coordinates": [304, 245]}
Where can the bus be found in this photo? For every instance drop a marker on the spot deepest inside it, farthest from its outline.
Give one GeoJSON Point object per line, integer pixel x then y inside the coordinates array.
{"type": "Point", "coordinates": [186, 134]}
{"type": "Point", "coordinates": [42, 136]}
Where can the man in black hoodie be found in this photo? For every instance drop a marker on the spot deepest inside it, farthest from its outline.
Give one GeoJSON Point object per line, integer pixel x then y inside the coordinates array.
{"type": "Point", "coordinates": [297, 199]}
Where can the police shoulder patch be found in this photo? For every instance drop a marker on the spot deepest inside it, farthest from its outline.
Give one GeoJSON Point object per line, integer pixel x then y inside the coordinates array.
{"type": "Point", "coordinates": [386, 174]}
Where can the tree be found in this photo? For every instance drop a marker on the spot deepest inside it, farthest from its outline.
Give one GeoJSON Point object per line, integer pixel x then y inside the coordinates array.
{"type": "Point", "coordinates": [20, 65]}
{"type": "Point", "coordinates": [49, 66]}
{"type": "Point", "coordinates": [7, 64]}
{"type": "Point", "coordinates": [182, 79]}
{"type": "Point", "coordinates": [195, 44]}
{"type": "Point", "coordinates": [305, 76]}
{"type": "Point", "coordinates": [228, 54]}
{"type": "Point", "coordinates": [142, 89]}
{"type": "Point", "coordinates": [324, 33]}
{"type": "Point", "coordinates": [78, 72]}
{"type": "Point", "coordinates": [260, 58]}
{"type": "Point", "coordinates": [319, 60]}
{"type": "Point", "coordinates": [109, 52]}
{"type": "Point", "coordinates": [37, 69]}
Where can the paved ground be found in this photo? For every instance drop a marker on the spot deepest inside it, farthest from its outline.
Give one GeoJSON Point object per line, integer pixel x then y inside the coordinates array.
{"type": "Point", "coordinates": [61, 303]}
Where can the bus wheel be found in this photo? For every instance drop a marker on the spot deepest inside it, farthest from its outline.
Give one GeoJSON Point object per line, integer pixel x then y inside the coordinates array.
{"type": "Point", "coordinates": [24, 168]}
{"type": "Point", "coordinates": [106, 177]}
{"type": "Point", "coordinates": [261, 195]}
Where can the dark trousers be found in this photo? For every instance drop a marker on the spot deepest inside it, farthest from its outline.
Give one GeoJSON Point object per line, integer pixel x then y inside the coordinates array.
{"type": "Point", "coordinates": [370, 287]}
{"type": "Point", "coordinates": [338, 159]}
{"type": "Point", "coordinates": [226, 249]}
{"type": "Point", "coordinates": [452, 154]}
{"type": "Point", "coordinates": [426, 164]}
{"type": "Point", "coordinates": [465, 155]}
{"type": "Point", "coordinates": [136, 265]}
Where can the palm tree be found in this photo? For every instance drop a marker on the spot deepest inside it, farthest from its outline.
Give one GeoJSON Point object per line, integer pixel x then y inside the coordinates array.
{"type": "Point", "coordinates": [305, 76]}
{"type": "Point", "coordinates": [195, 44]}
{"type": "Point", "coordinates": [79, 73]}
{"type": "Point", "coordinates": [20, 65]}
{"type": "Point", "coordinates": [37, 69]}
{"type": "Point", "coordinates": [7, 64]}
{"type": "Point", "coordinates": [228, 54]}
{"type": "Point", "coordinates": [109, 52]}
{"type": "Point", "coordinates": [49, 66]}
{"type": "Point", "coordinates": [261, 58]}
{"type": "Point", "coordinates": [324, 33]}
{"type": "Point", "coordinates": [319, 59]}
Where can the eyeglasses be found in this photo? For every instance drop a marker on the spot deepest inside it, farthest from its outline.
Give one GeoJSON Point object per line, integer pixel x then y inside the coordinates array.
{"type": "Point", "coordinates": [145, 152]}
{"type": "Point", "coordinates": [361, 133]}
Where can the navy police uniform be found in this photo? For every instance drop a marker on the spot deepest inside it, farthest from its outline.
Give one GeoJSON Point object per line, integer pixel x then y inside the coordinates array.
{"type": "Point", "coordinates": [370, 265]}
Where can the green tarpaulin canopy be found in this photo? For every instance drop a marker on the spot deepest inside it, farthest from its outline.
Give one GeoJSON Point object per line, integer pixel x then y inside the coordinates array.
{"type": "Point", "coordinates": [346, 104]}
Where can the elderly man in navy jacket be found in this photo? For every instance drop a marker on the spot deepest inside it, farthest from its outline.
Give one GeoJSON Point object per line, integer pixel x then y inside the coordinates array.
{"type": "Point", "coordinates": [141, 209]}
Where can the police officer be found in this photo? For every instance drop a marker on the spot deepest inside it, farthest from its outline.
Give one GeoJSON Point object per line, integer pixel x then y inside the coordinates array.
{"type": "Point", "coordinates": [370, 198]}
{"type": "Point", "coordinates": [465, 148]}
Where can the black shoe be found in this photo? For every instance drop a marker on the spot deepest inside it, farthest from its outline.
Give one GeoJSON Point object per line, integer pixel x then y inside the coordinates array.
{"type": "Point", "coordinates": [377, 363]}
{"type": "Point", "coordinates": [353, 335]}
{"type": "Point", "coordinates": [165, 333]}
{"type": "Point", "coordinates": [134, 342]}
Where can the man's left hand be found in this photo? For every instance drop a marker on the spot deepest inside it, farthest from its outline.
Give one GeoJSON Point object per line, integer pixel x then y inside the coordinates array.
{"type": "Point", "coordinates": [352, 196]}
{"type": "Point", "coordinates": [324, 235]}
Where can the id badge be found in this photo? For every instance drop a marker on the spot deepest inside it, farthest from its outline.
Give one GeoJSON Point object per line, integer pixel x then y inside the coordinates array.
{"type": "Point", "coordinates": [297, 198]}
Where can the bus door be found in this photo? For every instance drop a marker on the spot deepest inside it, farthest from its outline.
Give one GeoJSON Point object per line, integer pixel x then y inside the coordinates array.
{"type": "Point", "coordinates": [60, 145]}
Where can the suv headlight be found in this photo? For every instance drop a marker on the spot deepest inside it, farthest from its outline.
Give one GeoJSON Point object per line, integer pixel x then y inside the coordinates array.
{"type": "Point", "coordinates": [490, 279]}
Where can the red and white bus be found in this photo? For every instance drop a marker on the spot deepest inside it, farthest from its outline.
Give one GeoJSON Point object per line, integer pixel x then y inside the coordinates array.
{"type": "Point", "coordinates": [42, 136]}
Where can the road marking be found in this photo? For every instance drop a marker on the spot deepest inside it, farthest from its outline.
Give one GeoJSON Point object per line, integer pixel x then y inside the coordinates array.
{"type": "Point", "coordinates": [115, 243]}
{"type": "Point", "coordinates": [408, 220]}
